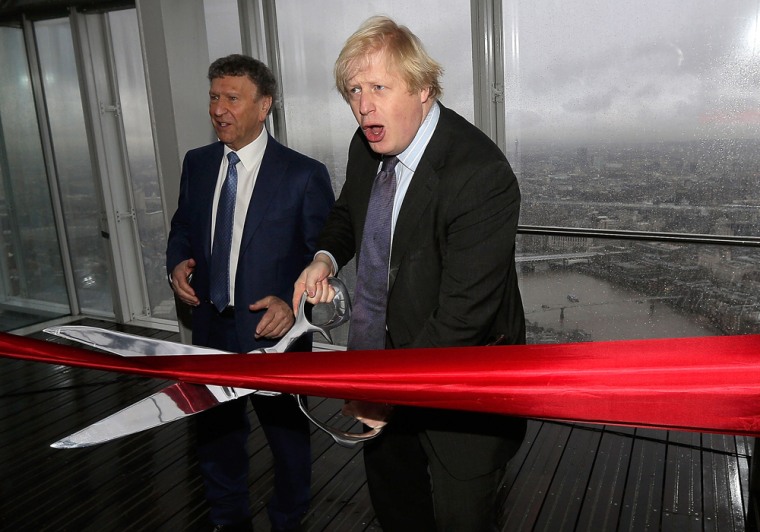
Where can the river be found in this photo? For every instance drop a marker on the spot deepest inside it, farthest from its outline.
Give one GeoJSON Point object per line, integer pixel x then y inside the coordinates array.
{"type": "Point", "coordinates": [562, 303]}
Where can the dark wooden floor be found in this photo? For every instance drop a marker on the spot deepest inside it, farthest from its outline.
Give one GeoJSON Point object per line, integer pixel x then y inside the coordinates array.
{"type": "Point", "coordinates": [565, 477]}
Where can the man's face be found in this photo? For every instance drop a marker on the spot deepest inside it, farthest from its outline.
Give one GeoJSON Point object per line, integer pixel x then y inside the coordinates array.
{"type": "Point", "coordinates": [387, 112]}
{"type": "Point", "coordinates": [237, 111]}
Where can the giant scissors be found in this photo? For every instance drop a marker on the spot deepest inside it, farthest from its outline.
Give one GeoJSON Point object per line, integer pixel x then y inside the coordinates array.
{"type": "Point", "coordinates": [183, 399]}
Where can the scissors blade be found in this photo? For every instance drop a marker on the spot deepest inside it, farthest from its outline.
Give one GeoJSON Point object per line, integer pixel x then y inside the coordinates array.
{"type": "Point", "coordinates": [126, 345]}
{"type": "Point", "coordinates": [174, 402]}
{"type": "Point", "coordinates": [184, 399]}
{"type": "Point", "coordinates": [131, 345]}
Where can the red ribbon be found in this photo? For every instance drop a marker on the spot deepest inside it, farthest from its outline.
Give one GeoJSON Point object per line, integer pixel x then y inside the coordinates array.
{"type": "Point", "coordinates": [705, 384]}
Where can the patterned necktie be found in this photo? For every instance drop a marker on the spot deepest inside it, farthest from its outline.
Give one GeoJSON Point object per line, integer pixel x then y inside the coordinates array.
{"type": "Point", "coordinates": [367, 329]}
{"type": "Point", "coordinates": [220, 255]}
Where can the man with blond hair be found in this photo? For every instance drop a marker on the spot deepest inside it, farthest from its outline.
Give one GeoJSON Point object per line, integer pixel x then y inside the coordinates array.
{"type": "Point", "coordinates": [430, 209]}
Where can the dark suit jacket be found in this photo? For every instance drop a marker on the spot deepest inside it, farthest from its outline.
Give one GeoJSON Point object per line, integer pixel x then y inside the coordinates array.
{"type": "Point", "coordinates": [290, 202]}
{"type": "Point", "coordinates": [452, 272]}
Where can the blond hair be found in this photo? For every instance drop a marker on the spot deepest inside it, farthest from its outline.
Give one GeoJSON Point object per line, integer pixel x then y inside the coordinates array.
{"type": "Point", "coordinates": [403, 49]}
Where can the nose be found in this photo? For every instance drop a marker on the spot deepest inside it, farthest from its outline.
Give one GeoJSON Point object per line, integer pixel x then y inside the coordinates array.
{"type": "Point", "coordinates": [366, 104]}
{"type": "Point", "coordinates": [216, 108]}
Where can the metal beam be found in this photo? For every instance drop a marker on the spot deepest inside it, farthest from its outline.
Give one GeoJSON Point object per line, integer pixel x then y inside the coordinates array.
{"type": "Point", "coordinates": [488, 69]}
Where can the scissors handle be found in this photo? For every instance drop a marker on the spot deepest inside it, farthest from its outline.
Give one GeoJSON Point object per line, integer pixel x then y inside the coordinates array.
{"type": "Point", "coordinates": [341, 313]}
{"type": "Point", "coordinates": [341, 305]}
{"type": "Point", "coordinates": [342, 438]}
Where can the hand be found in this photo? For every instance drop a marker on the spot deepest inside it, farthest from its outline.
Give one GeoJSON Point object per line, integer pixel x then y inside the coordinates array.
{"type": "Point", "coordinates": [374, 415]}
{"type": "Point", "coordinates": [181, 282]}
{"type": "Point", "coordinates": [276, 321]}
{"type": "Point", "coordinates": [313, 281]}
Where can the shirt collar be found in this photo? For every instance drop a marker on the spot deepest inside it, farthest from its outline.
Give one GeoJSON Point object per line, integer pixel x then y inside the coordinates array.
{"type": "Point", "coordinates": [411, 156]}
{"type": "Point", "coordinates": [251, 153]}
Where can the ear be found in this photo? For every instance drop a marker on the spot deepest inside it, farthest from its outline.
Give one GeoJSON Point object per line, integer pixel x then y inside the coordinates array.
{"type": "Point", "coordinates": [425, 95]}
{"type": "Point", "coordinates": [265, 104]}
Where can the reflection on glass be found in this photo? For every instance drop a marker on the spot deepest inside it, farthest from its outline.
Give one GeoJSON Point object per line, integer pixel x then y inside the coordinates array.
{"type": "Point", "coordinates": [142, 159]}
{"type": "Point", "coordinates": [79, 193]}
{"type": "Point", "coordinates": [641, 116]}
{"type": "Point", "coordinates": [31, 274]}
{"type": "Point", "coordinates": [319, 123]}
{"type": "Point", "coordinates": [591, 290]}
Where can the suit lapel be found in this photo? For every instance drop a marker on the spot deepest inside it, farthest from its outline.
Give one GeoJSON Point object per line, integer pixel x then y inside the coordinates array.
{"type": "Point", "coordinates": [418, 196]}
{"type": "Point", "coordinates": [422, 191]}
{"type": "Point", "coordinates": [210, 168]}
{"type": "Point", "coordinates": [273, 166]}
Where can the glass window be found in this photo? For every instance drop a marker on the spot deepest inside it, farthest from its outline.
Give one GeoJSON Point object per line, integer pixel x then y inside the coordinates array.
{"type": "Point", "coordinates": [584, 289]}
{"type": "Point", "coordinates": [640, 116]}
{"type": "Point", "coordinates": [79, 191]}
{"type": "Point", "coordinates": [31, 272]}
{"type": "Point", "coordinates": [222, 33]}
{"type": "Point", "coordinates": [141, 156]}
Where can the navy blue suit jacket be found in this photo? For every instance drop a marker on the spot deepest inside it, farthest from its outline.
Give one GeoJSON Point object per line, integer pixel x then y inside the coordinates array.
{"type": "Point", "coordinates": [290, 202]}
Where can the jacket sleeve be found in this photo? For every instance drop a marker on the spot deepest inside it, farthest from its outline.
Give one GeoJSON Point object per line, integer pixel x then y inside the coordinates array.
{"type": "Point", "coordinates": [178, 247]}
{"type": "Point", "coordinates": [318, 200]}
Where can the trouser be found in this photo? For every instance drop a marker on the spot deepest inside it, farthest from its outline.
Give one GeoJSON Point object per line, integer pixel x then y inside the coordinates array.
{"type": "Point", "coordinates": [222, 433]}
{"type": "Point", "coordinates": [411, 490]}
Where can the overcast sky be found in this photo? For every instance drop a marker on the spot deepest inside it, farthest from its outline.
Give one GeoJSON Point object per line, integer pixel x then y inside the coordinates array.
{"type": "Point", "coordinates": [585, 70]}
{"type": "Point", "coordinates": [672, 69]}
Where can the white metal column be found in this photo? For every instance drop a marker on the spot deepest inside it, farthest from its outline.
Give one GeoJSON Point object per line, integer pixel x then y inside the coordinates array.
{"type": "Point", "coordinates": [175, 48]}
{"type": "Point", "coordinates": [488, 69]}
{"type": "Point", "coordinates": [104, 118]}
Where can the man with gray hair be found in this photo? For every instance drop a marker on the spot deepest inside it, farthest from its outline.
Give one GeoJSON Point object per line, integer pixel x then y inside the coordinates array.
{"type": "Point", "coordinates": [248, 216]}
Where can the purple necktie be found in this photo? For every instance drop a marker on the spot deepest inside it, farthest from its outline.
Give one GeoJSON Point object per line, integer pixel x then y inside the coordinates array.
{"type": "Point", "coordinates": [367, 329]}
{"type": "Point", "coordinates": [219, 271]}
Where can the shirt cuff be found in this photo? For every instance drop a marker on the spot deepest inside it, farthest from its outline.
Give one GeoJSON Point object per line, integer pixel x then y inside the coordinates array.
{"type": "Point", "coordinates": [332, 260]}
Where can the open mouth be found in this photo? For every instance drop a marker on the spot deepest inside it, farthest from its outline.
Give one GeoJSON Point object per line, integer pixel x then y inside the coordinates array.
{"type": "Point", "coordinates": [374, 133]}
